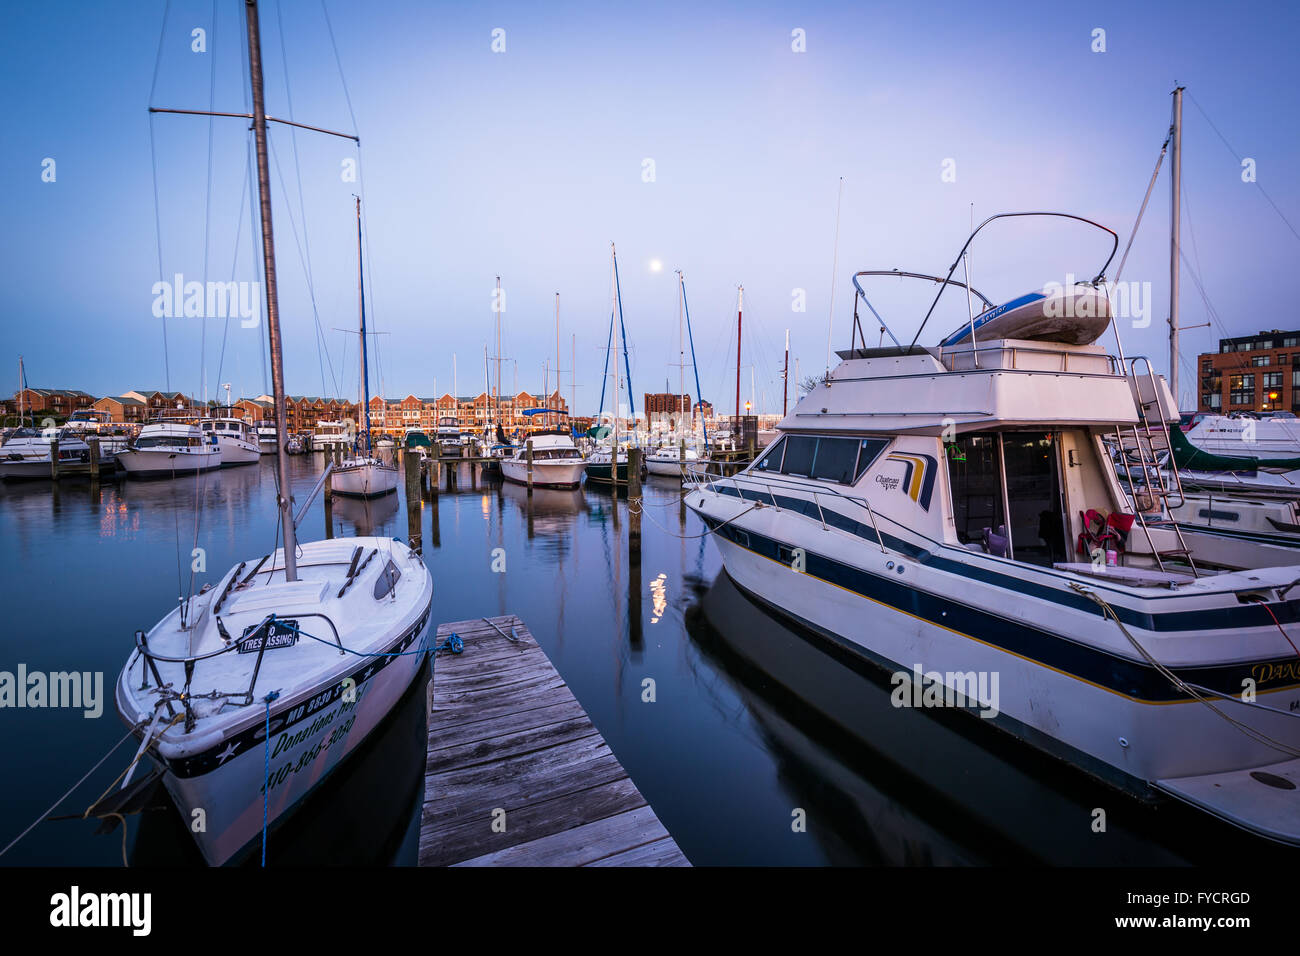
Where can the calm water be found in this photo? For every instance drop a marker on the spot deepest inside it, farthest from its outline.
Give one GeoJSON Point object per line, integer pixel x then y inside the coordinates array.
{"type": "Point", "coordinates": [751, 722]}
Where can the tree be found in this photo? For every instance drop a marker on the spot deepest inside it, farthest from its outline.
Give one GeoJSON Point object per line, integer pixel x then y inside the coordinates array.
{"type": "Point", "coordinates": [810, 382]}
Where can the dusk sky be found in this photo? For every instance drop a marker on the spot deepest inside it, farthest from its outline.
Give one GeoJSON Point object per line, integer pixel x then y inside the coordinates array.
{"type": "Point", "coordinates": [527, 163]}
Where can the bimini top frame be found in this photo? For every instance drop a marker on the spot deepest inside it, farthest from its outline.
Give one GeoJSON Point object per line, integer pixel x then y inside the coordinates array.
{"type": "Point", "coordinates": [1098, 278]}
{"type": "Point", "coordinates": [896, 273]}
{"type": "Point", "coordinates": [945, 281]}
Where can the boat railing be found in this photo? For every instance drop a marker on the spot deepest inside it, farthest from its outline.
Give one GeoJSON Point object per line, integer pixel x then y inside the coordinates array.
{"type": "Point", "coordinates": [150, 660]}
{"type": "Point", "coordinates": [949, 355]}
{"type": "Point", "coordinates": [697, 478]}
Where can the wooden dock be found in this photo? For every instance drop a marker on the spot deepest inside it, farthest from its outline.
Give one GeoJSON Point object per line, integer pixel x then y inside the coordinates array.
{"type": "Point", "coordinates": [516, 773]}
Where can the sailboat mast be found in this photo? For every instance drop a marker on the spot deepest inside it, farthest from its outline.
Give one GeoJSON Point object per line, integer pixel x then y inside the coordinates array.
{"type": "Point", "coordinates": [681, 359]}
{"type": "Point", "coordinates": [272, 299]}
{"type": "Point", "coordinates": [361, 306]}
{"type": "Point", "coordinates": [556, 418]}
{"type": "Point", "coordinates": [22, 388]}
{"type": "Point", "coordinates": [1175, 185]}
{"type": "Point", "coordinates": [740, 309]}
{"type": "Point", "coordinates": [497, 306]}
{"type": "Point", "coordinates": [785, 378]}
{"type": "Point", "coordinates": [613, 462]}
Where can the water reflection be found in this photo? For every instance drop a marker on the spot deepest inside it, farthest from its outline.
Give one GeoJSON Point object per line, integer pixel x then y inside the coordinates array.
{"type": "Point", "coordinates": [363, 517]}
{"type": "Point", "coordinates": [887, 785]}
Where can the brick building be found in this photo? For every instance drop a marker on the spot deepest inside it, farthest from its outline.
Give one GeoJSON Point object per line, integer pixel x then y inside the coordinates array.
{"type": "Point", "coordinates": [122, 409]}
{"type": "Point", "coordinates": [1258, 373]}
{"type": "Point", "coordinates": [52, 402]}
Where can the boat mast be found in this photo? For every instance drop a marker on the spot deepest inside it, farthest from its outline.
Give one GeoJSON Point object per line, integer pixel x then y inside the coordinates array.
{"type": "Point", "coordinates": [681, 362]}
{"type": "Point", "coordinates": [361, 303]}
{"type": "Point", "coordinates": [556, 418]}
{"type": "Point", "coordinates": [497, 306]}
{"type": "Point", "coordinates": [1176, 182]}
{"type": "Point", "coordinates": [22, 388]}
{"type": "Point", "coordinates": [272, 301]}
{"type": "Point", "coordinates": [740, 309]}
{"type": "Point", "coordinates": [613, 266]}
{"type": "Point", "coordinates": [785, 378]}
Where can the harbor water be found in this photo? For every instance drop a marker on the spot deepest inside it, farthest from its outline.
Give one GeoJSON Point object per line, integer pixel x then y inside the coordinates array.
{"type": "Point", "coordinates": [753, 745]}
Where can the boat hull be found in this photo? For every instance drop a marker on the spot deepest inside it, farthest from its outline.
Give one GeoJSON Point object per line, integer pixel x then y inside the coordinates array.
{"type": "Point", "coordinates": [546, 474]}
{"type": "Point", "coordinates": [168, 463]}
{"type": "Point", "coordinates": [238, 452]}
{"type": "Point", "coordinates": [231, 794]}
{"type": "Point", "coordinates": [364, 481]}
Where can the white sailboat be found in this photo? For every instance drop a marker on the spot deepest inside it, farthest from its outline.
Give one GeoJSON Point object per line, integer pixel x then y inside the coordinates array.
{"type": "Point", "coordinates": [363, 474]}
{"type": "Point", "coordinates": [290, 660]}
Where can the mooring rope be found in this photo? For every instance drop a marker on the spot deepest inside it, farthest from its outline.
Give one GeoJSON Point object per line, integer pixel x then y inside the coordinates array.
{"type": "Point", "coordinates": [73, 788]}
{"type": "Point", "coordinates": [1256, 735]}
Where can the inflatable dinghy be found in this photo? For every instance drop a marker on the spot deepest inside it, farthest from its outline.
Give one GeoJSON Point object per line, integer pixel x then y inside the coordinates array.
{"type": "Point", "coordinates": [1075, 316]}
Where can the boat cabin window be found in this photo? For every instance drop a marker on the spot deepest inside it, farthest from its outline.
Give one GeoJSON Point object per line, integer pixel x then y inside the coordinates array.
{"type": "Point", "coordinates": [991, 472]}
{"type": "Point", "coordinates": [842, 460]}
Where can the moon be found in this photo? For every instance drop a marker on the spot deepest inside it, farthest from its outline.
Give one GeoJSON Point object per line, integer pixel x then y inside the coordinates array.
{"type": "Point", "coordinates": [656, 265]}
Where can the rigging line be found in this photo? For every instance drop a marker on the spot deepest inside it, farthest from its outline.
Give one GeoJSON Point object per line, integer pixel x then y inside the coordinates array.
{"type": "Point", "coordinates": [157, 63]}
{"type": "Point", "coordinates": [322, 354]}
{"type": "Point", "coordinates": [835, 268]}
{"type": "Point", "coordinates": [1238, 157]}
{"type": "Point", "coordinates": [1141, 211]}
{"type": "Point", "coordinates": [199, 480]}
{"type": "Point", "coordinates": [339, 63]}
{"type": "Point", "coordinates": [306, 266]}
{"type": "Point", "coordinates": [157, 224]}
{"type": "Point", "coordinates": [234, 265]}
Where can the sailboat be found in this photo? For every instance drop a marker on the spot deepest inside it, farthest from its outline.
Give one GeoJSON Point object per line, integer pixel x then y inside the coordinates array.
{"type": "Point", "coordinates": [363, 475]}
{"type": "Point", "coordinates": [254, 690]}
{"type": "Point", "coordinates": [673, 457]}
{"type": "Point", "coordinates": [608, 463]}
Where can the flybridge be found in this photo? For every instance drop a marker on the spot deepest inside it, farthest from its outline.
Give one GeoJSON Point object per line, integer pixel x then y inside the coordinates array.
{"type": "Point", "coordinates": [924, 390]}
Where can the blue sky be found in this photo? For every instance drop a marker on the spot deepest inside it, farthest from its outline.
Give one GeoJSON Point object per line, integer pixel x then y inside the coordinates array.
{"type": "Point", "coordinates": [528, 163]}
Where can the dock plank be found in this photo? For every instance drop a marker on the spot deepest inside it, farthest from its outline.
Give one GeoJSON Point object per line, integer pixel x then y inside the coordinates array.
{"type": "Point", "coordinates": [507, 735]}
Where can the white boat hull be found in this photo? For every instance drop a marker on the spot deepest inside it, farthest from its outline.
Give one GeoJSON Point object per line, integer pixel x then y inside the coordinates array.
{"type": "Point", "coordinates": [168, 462]}
{"type": "Point", "coordinates": [1052, 710]}
{"type": "Point", "coordinates": [367, 480]}
{"type": "Point", "coordinates": [237, 451]}
{"type": "Point", "coordinates": [231, 795]}
{"type": "Point", "coordinates": [546, 474]}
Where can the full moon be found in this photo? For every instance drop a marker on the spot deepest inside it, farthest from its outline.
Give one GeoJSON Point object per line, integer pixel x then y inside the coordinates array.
{"type": "Point", "coordinates": [656, 265]}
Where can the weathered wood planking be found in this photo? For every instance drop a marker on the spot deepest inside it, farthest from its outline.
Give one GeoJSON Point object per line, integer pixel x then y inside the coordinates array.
{"type": "Point", "coordinates": [505, 733]}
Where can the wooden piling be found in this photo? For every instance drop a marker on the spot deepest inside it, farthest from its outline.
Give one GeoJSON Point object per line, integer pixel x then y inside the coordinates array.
{"type": "Point", "coordinates": [435, 468]}
{"type": "Point", "coordinates": [528, 456]}
{"type": "Point", "coordinates": [634, 501]}
{"type": "Point", "coordinates": [94, 458]}
{"type": "Point", "coordinates": [54, 459]}
{"type": "Point", "coordinates": [411, 463]}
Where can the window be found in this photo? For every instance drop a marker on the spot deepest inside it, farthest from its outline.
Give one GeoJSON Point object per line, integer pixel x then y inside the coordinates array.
{"type": "Point", "coordinates": [1212, 400]}
{"type": "Point", "coordinates": [1261, 360]}
{"type": "Point", "coordinates": [1290, 341]}
{"type": "Point", "coordinates": [1242, 382]}
{"type": "Point", "coordinates": [771, 460]}
{"type": "Point", "coordinates": [869, 449]}
{"type": "Point", "coordinates": [841, 460]}
{"type": "Point", "coordinates": [1273, 379]}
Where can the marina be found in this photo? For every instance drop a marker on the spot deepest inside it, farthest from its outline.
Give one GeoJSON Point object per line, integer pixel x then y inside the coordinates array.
{"type": "Point", "coordinates": [730, 442]}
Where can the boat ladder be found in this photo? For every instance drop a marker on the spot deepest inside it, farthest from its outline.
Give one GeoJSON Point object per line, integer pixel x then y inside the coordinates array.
{"type": "Point", "coordinates": [1154, 486]}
